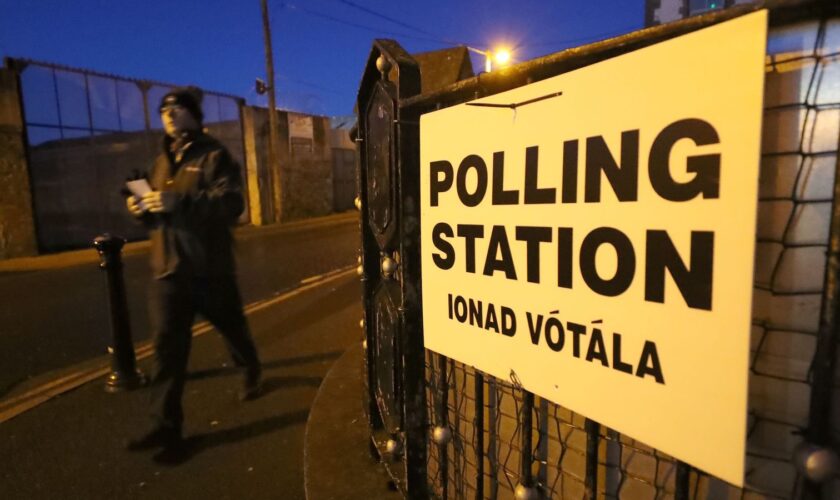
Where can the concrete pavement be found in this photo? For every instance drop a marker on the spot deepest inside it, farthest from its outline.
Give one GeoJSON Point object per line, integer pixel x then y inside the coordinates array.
{"type": "Point", "coordinates": [338, 459]}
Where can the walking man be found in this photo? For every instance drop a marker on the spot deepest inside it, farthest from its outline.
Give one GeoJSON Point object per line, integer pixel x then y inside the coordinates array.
{"type": "Point", "coordinates": [196, 198]}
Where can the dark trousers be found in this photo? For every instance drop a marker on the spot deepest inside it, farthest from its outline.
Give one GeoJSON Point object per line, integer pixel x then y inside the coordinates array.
{"type": "Point", "coordinates": [173, 304]}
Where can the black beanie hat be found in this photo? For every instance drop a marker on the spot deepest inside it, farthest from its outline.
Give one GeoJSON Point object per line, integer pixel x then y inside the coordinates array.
{"type": "Point", "coordinates": [188, 97]}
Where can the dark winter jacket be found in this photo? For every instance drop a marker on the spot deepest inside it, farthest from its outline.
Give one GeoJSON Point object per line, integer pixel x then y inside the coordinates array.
{"type": "Point", "coordinates": [195, 238]}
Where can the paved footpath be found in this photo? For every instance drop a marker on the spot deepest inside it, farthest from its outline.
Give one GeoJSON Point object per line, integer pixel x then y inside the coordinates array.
{"type": "Point", "coordinates": [71, 445]}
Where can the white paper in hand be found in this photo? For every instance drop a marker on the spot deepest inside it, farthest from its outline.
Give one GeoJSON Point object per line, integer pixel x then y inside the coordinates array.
{"type": "Point", "coordinates": [138, 188]}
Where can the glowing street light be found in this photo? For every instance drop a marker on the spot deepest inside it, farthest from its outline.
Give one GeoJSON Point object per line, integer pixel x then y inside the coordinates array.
{"type": "Point", "coordinates": [502, 57]}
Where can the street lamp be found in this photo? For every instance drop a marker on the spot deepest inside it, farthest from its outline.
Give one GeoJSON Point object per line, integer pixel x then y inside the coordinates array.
{"type": "Point", "coordinates": [501, 55]}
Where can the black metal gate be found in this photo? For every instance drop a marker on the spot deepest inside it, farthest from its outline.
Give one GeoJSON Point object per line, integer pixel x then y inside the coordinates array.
{"type": "Point", "coordinates": [388, 186]}
{"type": "Point", "coordinates": [446, 430]}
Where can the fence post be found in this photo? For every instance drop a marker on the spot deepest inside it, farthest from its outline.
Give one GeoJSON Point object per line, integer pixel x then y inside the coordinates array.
{"type": "Point", "coordinates": [443, 421]}
{"type": "Point", "coordinates": [525, 489]}
{"type": "Point", "coordinates": [493, 435]}
{"type": "Point", "coordinates": [681, 484]}
{"type": "Point", "coordinates": [124, 373]}
{"type": "Point", "coordinates": [542, 446]}
{"type": "Point", "coordinates": [479, 435]}
{"type": "Point", "coordinates": [593, 431]}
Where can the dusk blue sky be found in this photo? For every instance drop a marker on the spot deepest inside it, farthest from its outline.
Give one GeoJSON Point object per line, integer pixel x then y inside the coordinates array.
{"type": "Point", "coordinates": [320, 46]}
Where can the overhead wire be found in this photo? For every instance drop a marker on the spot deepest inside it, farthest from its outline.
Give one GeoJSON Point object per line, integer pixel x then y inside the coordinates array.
{"type": "Point", "coordinates": [383, 16]}
{"type": "Point", "coordinates": [431, 37]}
{"type": "Point", "coordinates": [308, 84]}
{"type": "Point", "coordinates": [379, 31]}
{"type": "Point", "coordinates": [380, 15]}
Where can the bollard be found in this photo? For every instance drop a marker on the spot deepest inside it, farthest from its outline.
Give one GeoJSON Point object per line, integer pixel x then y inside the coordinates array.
{"type": "Point", "coordinates": [124, 373]}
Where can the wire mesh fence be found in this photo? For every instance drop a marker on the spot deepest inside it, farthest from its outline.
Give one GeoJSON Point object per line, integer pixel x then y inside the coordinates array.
{"type": "Point", "coordinates": [799, 161]}
{"type": "Point", "coordinates": [489, 438]}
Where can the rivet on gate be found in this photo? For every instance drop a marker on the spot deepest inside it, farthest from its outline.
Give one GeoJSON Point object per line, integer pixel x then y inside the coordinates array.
{"type": "Point", "coordinates": [388, 267]}
{"type": "Point", "coordinates": [393, 449]}
{"type": "Point", "coordinates": [817, 463]}
{"type": "Point", "coordinates": [525, 493]}
{"type": "Point", "coordinates": [384, 66]}
{"type": "Point", "coordinates": [441, 435]}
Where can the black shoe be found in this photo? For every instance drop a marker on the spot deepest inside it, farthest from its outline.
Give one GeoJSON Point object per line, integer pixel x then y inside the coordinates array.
{"type": "Point", "coordinates": [251, 386]}
{"type": "Point", "coordinates": [160, 436]}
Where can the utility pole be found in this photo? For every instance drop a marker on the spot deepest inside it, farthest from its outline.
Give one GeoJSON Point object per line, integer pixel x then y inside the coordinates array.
{"type": "Point", "coordinates": [273, 148]}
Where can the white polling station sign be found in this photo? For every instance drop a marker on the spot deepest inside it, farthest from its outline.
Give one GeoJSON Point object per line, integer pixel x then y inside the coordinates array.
{"type": "Point", "coordinates": [592, 234]}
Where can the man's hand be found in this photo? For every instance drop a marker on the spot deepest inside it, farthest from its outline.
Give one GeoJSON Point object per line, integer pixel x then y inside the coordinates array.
{"type": "Point", "coordinates": [160, 201]}
{"type": "Point", "coordinates": [133, 205]}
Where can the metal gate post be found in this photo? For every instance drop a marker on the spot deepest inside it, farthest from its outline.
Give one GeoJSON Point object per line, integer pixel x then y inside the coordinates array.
{"type": "Point", "coordinates": [525, 489]}
{"type": "Point", "coordinates": [681, 481]}
{"type": "Point", "coordinates": [443, 421]}
{"type": "Point", "coordinates": [493, 434]}
{"type": "Point", "coordinates": [593, 434]}
{"type": "Point", "coordinates": [390, 205]}
{"type": "Point", "coordinates": [479, 435]}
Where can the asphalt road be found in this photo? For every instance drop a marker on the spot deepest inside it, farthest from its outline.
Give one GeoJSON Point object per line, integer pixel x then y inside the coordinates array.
{"type": "Point", "coordinates": [71, 446]}
{"type": "Point", "coordinates": [52, 319]}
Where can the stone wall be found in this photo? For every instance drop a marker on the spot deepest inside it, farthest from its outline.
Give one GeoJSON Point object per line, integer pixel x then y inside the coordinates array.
{"type": "Point", "coordinates": [344, 169]}
{"type": "Point", "coordinates": [258, 178]}
{"type": "Point", "coordinates": [308, 175]}
{"type": "Point", "coordinates": [305, 157]}
{"type": "Point", "coordinates": [17, 231]}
